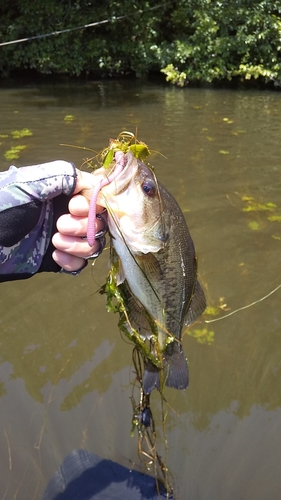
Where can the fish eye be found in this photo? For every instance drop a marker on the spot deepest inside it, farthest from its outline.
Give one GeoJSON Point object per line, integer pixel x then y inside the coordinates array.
{"type": "Point", "coordinates": [149, 188]}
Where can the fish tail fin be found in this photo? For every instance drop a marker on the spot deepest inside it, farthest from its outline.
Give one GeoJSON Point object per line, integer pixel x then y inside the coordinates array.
{"type": "Point", "coordinates": [150, 378]}
{"type": "Point", "coordinates": [177, 375]}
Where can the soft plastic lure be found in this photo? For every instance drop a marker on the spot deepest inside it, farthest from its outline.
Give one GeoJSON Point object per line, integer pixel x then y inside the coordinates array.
{"type": "Point", "coordinates": [91, 229]}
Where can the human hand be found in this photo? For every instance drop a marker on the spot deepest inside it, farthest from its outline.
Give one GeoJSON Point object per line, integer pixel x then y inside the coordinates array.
{"type": "Point", "coordinates": [72, 248]}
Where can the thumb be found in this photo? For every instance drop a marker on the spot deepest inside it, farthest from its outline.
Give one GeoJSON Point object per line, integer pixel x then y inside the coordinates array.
{"type": "Point", "coordinates": [84, 180]}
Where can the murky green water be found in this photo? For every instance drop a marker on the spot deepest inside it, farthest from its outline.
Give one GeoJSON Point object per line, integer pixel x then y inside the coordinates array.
{"type": "Point", "coordinates": [65, 372]}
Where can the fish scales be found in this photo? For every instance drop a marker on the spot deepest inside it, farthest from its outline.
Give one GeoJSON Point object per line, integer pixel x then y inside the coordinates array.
{"type": "Point", "coordinates": [178, 263]}
{"type": "Point", "coordinates": [175, 286]}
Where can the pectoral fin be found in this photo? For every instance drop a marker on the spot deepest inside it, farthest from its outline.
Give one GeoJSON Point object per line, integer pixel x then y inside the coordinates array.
{"type": "Point", "coordinates": [120, 275]}
{"type": "Point", "coordinates": [150, 266]}
{"type": "Point", "coordinates": [197, 305]}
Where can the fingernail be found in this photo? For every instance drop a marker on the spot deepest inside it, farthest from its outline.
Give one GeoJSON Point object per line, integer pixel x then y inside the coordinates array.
{"type": "Point", "coordinates": [102, 217]}
{"type": "Point", "coordinates": [102, 242]}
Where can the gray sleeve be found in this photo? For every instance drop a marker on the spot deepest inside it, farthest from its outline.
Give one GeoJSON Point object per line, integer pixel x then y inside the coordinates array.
{"type": "Point", "coordinates": [27, 198]}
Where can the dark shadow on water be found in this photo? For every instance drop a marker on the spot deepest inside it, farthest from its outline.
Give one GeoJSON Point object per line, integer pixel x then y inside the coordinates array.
{"type": "Point", "coordinates": [85, 476]}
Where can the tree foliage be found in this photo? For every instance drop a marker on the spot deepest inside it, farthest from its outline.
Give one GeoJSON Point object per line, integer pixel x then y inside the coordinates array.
{"type": "Point", "coordinates": [188, 40]}
{"type": "Point", "coordinates": [222, 40]}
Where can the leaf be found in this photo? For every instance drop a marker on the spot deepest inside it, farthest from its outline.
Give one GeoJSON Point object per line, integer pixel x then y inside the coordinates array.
{"type": "Point", "coordinates": [108, 158]}
{"type": "Point", "coordinates": [140, 151]}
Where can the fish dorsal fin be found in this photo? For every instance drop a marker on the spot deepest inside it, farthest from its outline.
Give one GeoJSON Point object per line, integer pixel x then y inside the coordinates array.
{"type": "Point", "coordinates": [197, 305]}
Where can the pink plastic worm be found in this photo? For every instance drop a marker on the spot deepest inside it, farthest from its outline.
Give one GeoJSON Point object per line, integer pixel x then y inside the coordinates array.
{"type": "Point", "coordinates": [91, 229]}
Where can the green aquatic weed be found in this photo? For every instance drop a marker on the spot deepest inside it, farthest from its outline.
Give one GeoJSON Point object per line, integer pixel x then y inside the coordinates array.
{"type": "Point", "coordinates": [14, 152]}
{"type": "Point", "coordinates": [212, 311]}
{"type": "Point", "coordinates": [247, 198]}
{"type": "Point", "coordinates": [254, 225]}
{"type": "Point", "coordinates": [238, 131]}
{"type": "Point", "coordinates": [18, 134]}
{"type": "Point", "coordinates": [68, 118]}
{"type": "Point", "coordinates": [254, 206]}
{"type": "Point", "coordinates": [203, 335]}
{"type": "Point", "coordinates": [126, 141]}
{"type": "Point", "coordinates": [116, 302]}
{"type": "Point", "coordinates": [140, 151]}
{"type": "Point", "coordinates": [274, 218]}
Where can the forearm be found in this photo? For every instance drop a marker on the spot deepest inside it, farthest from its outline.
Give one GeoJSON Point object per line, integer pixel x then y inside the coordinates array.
{"type": "Point", "coordinates": [31, 200]}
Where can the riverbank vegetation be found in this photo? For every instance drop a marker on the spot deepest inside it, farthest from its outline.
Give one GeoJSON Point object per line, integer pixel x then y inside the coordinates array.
{"type": "Point", "coordinates": [189, 41]}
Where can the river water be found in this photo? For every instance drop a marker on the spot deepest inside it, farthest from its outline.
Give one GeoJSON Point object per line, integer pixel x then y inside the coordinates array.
{"type": "Point", "coordinates": [66, 374]}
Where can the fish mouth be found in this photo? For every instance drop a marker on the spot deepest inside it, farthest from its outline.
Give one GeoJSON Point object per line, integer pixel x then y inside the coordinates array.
{"type": "Point", "coordinates": [141, 226]}
{"type": "Point", "coordinates": [122, 181]}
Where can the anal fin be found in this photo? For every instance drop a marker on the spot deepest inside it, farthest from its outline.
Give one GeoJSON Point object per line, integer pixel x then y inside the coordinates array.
{"type": "Point", "coordinates": [150, 378]}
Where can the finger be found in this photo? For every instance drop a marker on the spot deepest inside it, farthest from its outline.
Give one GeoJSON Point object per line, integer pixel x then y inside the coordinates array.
{"type": "Point", "coordinates": [68, 262]}
{"type": "Point", "coordinates": [85, 180]}
{"type": "Point", "coordinates": [77, 226]}
{"type": "Point", "coordinates": [79, 206]}
{"type": "Point", "coordinates": [71, 225]}
{"type": "Point", "coordinates": [74, 245]}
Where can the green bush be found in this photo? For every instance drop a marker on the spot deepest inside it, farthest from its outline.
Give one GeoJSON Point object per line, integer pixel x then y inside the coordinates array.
{"type": "Point", "coordinates": [188, 40]}
{"type": "Point", "coordinates": [115, 48]}
{"type": "Point", "coordinates": [222, 40]}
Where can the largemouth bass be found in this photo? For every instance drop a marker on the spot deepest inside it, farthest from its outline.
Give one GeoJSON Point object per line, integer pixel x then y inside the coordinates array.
{"type": "Point", "coordinates": [157, 267]}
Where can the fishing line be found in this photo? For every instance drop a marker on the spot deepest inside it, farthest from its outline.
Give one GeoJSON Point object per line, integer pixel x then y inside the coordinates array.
{"type": "Point", "coordinates": [91, 25]}
{"type": "Point", "coordinates": [244, 307]}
